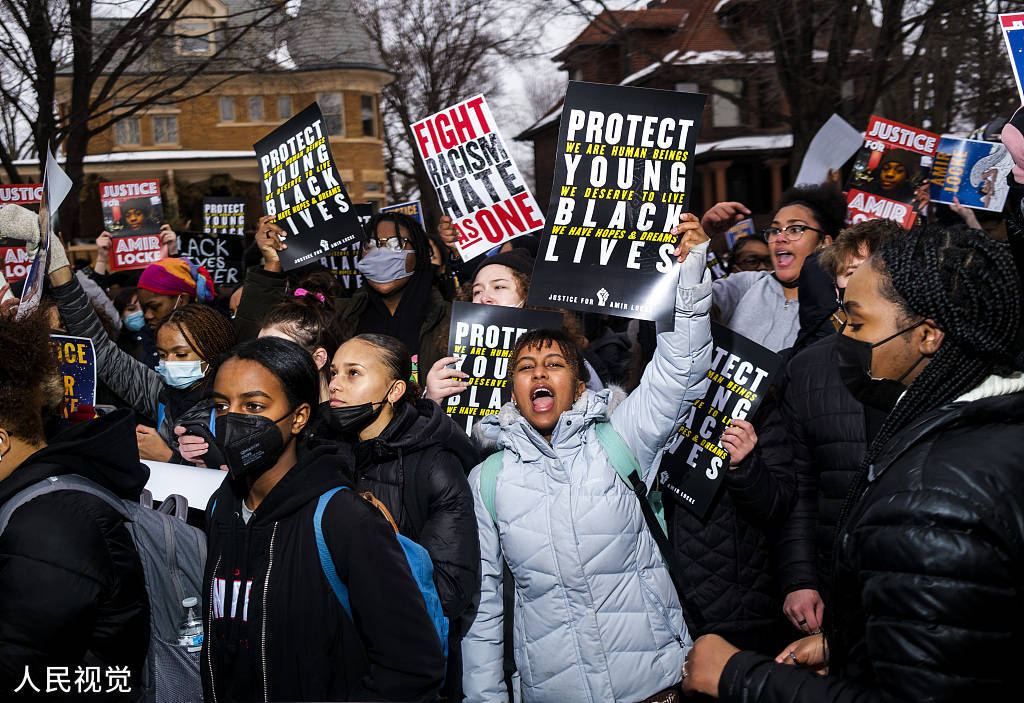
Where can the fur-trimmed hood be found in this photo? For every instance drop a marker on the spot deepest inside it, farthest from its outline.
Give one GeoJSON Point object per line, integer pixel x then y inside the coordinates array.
{"type": "Point", "coordinates": [487, 433]}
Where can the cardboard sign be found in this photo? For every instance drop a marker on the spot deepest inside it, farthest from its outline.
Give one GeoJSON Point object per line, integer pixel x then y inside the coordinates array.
{"type": "Point", "coordinates": [622, 180]}
{"type": "Point", "coordinates": [478, 184]}
{"type": "Point", "coordinates": [303, 191]}
{"type": "Point", "coordinates": [15, 259]}
{"type": "Point", "coordinates": [413, 209]}
{"type": "Point", "coordinates": [743, 228]}
{"type": "Point", "coordinates": [77, 362]}
{"type": "Point", "coordinates": [21, 194]}
{"type": "Point", "coordinates": [974, 172]}
{"type": "Point", "coordinates": [1013, 34]}
{"type": "Point", "coordinates": [741, 372]}
{"type": "Point", "coordinates": [132, 208]}
{"type": "Point", "coordinates": [221, 255]}
{"type": "Point", "coordinates": [224, 216]}
{"type": "Point", "coordinates": [482, 336]}
{"type": "Point", "coordinates": [894, 161]}
{"type": "Point", "coordinates": [134, 252]}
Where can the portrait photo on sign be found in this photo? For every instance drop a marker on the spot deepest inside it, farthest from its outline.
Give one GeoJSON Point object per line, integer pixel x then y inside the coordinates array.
{"type": "Point", "coordinates": [132, 207]}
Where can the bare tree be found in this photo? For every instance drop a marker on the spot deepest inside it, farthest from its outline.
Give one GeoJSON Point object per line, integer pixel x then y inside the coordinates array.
{"type": "Point", "coordinates": [120, 58]}
{"type": "Point", "coordinates": [441, 53]}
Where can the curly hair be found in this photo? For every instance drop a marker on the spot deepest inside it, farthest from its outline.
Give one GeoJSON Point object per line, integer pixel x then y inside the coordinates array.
{"type": "Point", "coordinates": [27, 364]}
{"type": "Point", "coordinates": [826, 202]}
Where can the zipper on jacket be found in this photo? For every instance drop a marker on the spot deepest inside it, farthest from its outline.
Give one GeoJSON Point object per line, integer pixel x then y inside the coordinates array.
{"type": "Point", "coordinates": [662, 610]}
{"type": "Point", "coordinates": [209, 632]}
{"type": "Point", "coordinates": [263, 636]}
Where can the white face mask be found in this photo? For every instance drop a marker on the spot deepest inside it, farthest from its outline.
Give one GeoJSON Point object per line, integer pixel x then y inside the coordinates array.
{"type": "Point", "coordinates": [181, 374]}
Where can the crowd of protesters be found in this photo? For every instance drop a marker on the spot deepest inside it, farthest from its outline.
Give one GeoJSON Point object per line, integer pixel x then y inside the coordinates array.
{"type": "Point", "coordinates": [866, 544]}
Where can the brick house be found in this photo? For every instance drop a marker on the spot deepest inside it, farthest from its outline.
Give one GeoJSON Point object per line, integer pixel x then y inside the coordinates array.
{"type": "Point", "coordinates": [703, 46]}
{"type": "Point", "coordinates": [203, 145]}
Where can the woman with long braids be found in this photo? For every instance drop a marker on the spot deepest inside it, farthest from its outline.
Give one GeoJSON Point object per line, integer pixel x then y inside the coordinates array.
{"type": "Point", "coordinates": [928, 599]}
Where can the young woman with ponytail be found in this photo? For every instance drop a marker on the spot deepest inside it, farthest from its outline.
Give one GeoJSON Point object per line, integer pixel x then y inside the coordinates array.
{"type": "Point", "coordinates": [928, 588]}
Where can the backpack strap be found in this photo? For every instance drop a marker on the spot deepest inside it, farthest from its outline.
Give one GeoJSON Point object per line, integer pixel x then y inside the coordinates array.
{"type": "Point", "coordinates": [326, 560]}
{"type": "Point", "coordinates": [69, 482]}
{"type": "Point", "coordinates": [489, 481]}
{"type": "Point", "coordinates": [628, 469]}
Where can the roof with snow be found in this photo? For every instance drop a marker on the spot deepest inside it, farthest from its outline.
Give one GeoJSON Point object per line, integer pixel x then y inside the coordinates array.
{"type": "Point", "coordinates": [610, 22]}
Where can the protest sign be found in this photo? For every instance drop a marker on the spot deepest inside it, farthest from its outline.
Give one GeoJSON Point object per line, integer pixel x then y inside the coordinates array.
{"type": "Point", "coordinates": [224, 216]}
{"type": "Point", "coordinates": [21, 194]}
{"type": "Point", "coordinates": [715, 265]}
{"type": "Point", "coordinates": [413, 209]}
{"type": "Point", "coordinates": [831, 147]}
{"type": "Point", "coordinates": [1013, 34]}
{"type": "Point", "coordinates": [76, 359]}
{"type": "Point", "coordinates": [56, 186]}
{"type": "Point", "coordinates": [135, 252]}
{"type": "Point", "coordinates": [482, 336]}
{"type": "Point", "coordinates": [892, 164]}
{"type": "Point", "coordinates": [302, 190]}
{"type": "Point", "coordinates": [196, 484]}
{"type": "Point", "coordinates": [478, 184]}
{"type": "Point", "coordinates": [222, 255]}
{"type": "Point", "coordinates": [342, 262]}
{"type": "Point", "coordinates": [622, 180]}
{"type": "Point", "coordinates": [15, 259]}
{"type": "Point", "coordinates": [132, 207]}
{"type": "Point", "coordinates": [741, 371]}
{"type": "Point", "coordinates": [743, 228]}
{"type": "Point", "coordinates": [973, 172]}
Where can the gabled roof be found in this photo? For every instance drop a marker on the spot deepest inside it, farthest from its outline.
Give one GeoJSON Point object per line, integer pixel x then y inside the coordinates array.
{"type": "Point", "coordinates": [611, 22]}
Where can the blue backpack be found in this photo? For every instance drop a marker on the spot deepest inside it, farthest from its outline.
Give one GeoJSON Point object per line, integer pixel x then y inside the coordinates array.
{"type": "Point", "coordinates": [419, 563]}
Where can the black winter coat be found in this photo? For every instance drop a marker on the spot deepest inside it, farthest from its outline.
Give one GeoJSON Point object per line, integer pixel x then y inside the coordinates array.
{"type": "Point", "coordinates": [827, 433]}
{"type": "Point", "coordinates": [274, 628]}
{"type": "Point", "coordinates": [929, 589]}
{"type": "Point", "coordinates": [72, 590]}
{"type": "Point", "coordinates": [417, 467]}
{"type": "Point", "coordinates": [727, 559]}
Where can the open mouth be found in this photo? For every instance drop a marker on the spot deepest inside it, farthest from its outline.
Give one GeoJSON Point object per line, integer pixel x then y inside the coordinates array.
{"type": "Point", "coordinates": [784, 258]}
{"type": "Point", "coordinates": [542, 399]}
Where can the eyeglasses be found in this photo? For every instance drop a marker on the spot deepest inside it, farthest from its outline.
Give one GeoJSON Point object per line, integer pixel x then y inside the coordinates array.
{"type": "Point", "coordinates": [392, 243]}
{"type": "Point", "coordinates": [749, 263]}
{"type": "Point", "coordinates": [793, 232]}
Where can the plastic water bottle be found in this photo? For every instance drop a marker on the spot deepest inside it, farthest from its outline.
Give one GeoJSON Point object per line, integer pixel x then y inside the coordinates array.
{"type": "Point", "coordinates": [190, 634]}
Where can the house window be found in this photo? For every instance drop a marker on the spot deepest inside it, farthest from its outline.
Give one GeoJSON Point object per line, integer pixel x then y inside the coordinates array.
{"type": "Point", "coordinates": [165, 129]}
{"type": "Point", "coordinates": [227, 109]}
{"type": "Point", "coordinates": [369, 115]}
{"type": "Point", "coordinates": [371, 187]}
{"type": "Point", "coordinates": [284, 107]}
{"type": "Point", "coordinates": [687, 88]}
{"type": "Point", "coordinates": [127, 132]}
{"type": "Point", "coordinates": [256, 108]}
{"type": "Point", "coordinates": [195, 38]}
{"type": "Point", "coordinates": [725, 112]}
{"type": "Point", "coordinates": [330, 106]}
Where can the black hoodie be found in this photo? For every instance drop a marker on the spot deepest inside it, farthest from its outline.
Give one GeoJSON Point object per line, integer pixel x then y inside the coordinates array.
{"type": "Point", "coordinates": [72, 590]}
{"type": "Point", "coordinates": [274, 628]}
{"type": "Point", "coordinates": [423, 456]}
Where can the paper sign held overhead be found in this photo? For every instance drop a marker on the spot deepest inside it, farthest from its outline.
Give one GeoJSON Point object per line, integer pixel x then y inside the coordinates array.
{"type": "Point", "coordinates": [974, 172]}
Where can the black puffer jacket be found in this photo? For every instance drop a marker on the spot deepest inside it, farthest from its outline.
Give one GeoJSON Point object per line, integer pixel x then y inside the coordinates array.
{"type": "Point", "coordinates": [827, 434]}
{"type": "Point", "coordinates": [72, 590]}
{"type": "Point", "coordinates": [417, 467]}
{"type": "Point", "coordinates": [929, 586]}
{"type": "Point", "coordinates": [274, 628]}
{"type": "Point", "coordinates": [727, 559]}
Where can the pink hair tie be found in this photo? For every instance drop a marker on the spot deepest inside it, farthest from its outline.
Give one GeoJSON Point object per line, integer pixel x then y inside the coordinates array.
{"type": "Point", "coordinates": [303, 291]}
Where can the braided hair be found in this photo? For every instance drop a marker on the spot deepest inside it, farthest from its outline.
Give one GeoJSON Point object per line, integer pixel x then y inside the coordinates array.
{"type": "Point", "coordinates": [209, 333]}
{"type": "Point", "coordinates": [417, 235]}
{"type": "Point", "coordinates": [967, 283]}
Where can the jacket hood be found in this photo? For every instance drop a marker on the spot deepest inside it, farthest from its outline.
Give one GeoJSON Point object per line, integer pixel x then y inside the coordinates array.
{"type": "Point", "coordinates": [318, 470]}
{"type": "Point", "coordinates": [495, 432]}
{"type": "Point", "coordinates": [104, 450]}
{"type": "Point", "coordinates": [419, 426]}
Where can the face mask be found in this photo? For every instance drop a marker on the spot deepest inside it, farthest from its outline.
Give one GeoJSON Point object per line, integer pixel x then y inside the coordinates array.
{"type": "Point", "coordinates": [135, 321]}
{"type": "Point", "coordinates": [181, 374]}
{"type": "Point", "coordinates": [349, 420]}
{"type": "Point", "coordinates": [250, 444]}
{"type": "Point", "coordinates": [854, 361]}
{"type": "Point", "coordinates": [384, 266]}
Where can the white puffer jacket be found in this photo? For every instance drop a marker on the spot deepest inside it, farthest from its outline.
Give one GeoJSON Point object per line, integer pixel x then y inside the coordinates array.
{"type": "Point", "coordinates": [596, 616]}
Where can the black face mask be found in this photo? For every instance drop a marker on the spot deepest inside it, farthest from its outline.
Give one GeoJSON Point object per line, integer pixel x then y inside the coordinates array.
{"type": "Point", "coordinates": [349, 420]}
{"type": "Point", "coordinates": [854, 362]}
{"type": "Point", "coordinates": [250, 444]}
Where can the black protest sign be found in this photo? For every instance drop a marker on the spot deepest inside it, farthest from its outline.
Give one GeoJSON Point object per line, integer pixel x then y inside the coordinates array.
{"type": "Point", "coordinates": [741, 372]}
{"type": "Point", "coordinates": [221, 255]}
{"type": "Point", "coordinates": [303, 191]}
{"type": "Point", "coordinates": [482, 336]}
{"type": "Point", "coordinates": [342, 262]}
{"type": "Point", "coordinates": [224, 216]}
{"type": "Point", "coordinates": [622, 179]}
